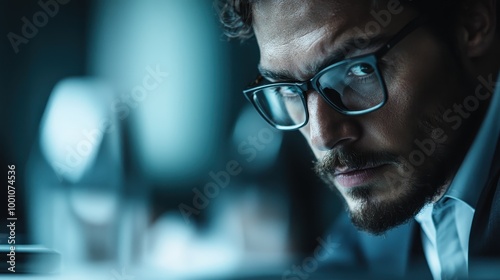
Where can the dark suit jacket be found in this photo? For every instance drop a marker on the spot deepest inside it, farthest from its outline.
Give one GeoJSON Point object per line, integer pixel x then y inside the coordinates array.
{"type": "Point", "coordinates": [399, 253]}
{"type": "Point", "coordinates": [484, 242]}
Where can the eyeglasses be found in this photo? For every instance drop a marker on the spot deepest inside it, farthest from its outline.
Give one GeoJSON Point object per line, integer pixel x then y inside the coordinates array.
{"type": "Point", "coordinates": [352, 86]}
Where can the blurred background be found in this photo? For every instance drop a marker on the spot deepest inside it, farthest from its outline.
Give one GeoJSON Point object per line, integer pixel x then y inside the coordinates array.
{"type": "Point", "coordinates": [136, 153]}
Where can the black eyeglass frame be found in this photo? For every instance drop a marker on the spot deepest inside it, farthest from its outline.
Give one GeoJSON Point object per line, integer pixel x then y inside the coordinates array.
{"type": "Point", "coordinates": [313, 83]}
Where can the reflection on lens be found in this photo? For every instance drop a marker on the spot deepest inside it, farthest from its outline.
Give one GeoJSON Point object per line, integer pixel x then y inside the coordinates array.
{"type": "Point", "coordinates": [353, 86]}
{"type": "Point", "coordinates": [281, 105]}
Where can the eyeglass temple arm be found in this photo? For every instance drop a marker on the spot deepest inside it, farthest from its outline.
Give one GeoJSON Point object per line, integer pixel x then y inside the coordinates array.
{"type": "Point", "coordinates": [408, 28]}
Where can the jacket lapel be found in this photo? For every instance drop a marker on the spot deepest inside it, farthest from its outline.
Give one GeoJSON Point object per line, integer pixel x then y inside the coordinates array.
{"type": "Point", "coordinates": [484, 241]}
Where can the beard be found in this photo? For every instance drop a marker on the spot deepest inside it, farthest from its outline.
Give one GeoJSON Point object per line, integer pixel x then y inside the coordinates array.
{"type": "Point", "coordinates": [411, 186]}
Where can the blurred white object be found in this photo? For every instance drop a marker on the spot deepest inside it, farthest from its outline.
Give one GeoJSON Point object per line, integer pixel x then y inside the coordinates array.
{"type": "Point", "coordinates": [73, 125]}
{"type": "Point", "coordinates": [79, 139]}
{"type": "Point", "coordinates": [178, 250]}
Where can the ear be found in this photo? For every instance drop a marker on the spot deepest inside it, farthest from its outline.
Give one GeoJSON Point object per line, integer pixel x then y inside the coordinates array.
{"type": "Point", "coordinates": [478, 18]}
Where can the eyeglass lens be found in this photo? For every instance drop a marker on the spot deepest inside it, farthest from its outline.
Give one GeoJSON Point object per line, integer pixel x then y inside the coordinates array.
{"type": "Point", "coordinates": [351, 86]}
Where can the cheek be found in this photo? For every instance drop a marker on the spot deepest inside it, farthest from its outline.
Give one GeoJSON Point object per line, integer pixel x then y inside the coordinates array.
{"type": "Point", "coordinates": [305, 131]}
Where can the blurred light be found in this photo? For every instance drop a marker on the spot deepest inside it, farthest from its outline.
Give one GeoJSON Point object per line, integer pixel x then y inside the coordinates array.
{"type": "Point", "coordinates": [94, 205]}
{"type": "Point", "coordinates": [71, 127]}
{"type": "Point", "coordinates": [180, 252]}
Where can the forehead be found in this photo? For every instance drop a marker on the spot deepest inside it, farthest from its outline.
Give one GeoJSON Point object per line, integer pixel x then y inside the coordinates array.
{"type": "Point", "coordinates": [303, 30]}
{"type": "Point", "coordinates": [299, 16]}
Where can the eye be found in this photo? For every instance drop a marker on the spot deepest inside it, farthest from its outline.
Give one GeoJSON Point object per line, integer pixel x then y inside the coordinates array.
{"type": "Point", "coordinates": [361, 70]}
{"type": "Point", "coordinates": [288, 91]}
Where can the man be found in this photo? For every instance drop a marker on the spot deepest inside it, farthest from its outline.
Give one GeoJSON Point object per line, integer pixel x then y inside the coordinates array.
{"type": "Point", "coordinates": [396, 102]}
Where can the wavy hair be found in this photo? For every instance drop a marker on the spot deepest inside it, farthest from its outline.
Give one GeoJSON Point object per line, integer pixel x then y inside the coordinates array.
{"type": "Point", "coordinates": [236, 17]}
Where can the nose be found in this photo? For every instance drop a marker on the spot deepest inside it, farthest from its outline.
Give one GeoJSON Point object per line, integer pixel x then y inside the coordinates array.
{"type": "Point", "coordinates": [327, 127]}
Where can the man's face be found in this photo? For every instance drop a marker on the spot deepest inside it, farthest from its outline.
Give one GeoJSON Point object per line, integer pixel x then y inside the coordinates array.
{"type": "Point", "coordinates": [389, 163]}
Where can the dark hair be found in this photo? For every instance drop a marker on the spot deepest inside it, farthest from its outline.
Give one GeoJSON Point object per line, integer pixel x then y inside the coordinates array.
{"type": "Point", "coordinates": [236, 15]}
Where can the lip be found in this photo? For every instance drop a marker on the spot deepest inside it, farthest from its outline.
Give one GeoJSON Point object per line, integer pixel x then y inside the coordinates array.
{"type": "Point", "coordinates": [352, 177]}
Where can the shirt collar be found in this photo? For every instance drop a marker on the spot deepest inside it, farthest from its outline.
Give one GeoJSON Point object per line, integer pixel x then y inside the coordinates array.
{"type": "Point", "coordinates": [472, 175]}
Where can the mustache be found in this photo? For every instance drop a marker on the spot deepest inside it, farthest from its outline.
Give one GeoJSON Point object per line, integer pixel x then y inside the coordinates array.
{"type": "Point", "coordinates": [342, 158]}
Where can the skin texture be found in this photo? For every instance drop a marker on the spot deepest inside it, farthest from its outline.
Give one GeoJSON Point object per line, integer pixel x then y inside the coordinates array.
{"type": "Point", "coordinates": [424, 78]}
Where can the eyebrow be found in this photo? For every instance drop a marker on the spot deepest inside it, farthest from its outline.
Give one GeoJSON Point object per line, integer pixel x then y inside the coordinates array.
{"type": "Point", "coordinates": [340, 54]}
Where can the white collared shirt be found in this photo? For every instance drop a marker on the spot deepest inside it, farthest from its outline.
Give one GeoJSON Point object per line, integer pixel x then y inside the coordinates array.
{"type": "Point", "coordinates": [465, 188]}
